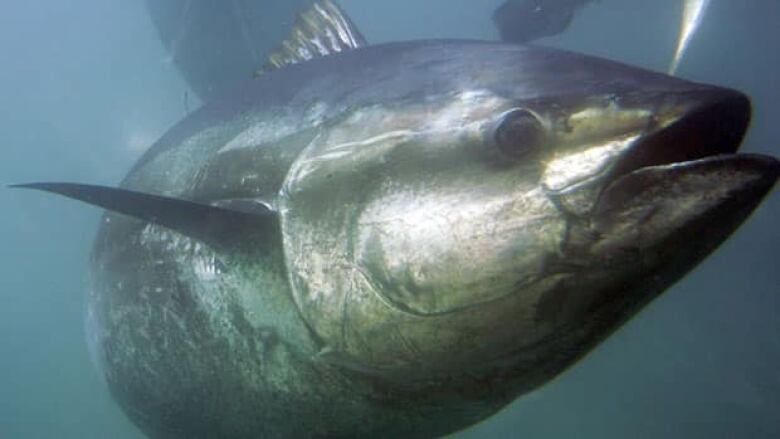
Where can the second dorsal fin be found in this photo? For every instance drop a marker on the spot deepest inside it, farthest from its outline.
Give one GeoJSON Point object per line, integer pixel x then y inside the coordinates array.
{"type": "Point", "coordinates": [322, 30]}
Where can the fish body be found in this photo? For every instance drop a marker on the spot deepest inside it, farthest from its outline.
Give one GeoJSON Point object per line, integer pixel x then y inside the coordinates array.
{"type": "Point", "coordinates": [401, 239]}
{"type": "Point", "coordinates": [430, 263]}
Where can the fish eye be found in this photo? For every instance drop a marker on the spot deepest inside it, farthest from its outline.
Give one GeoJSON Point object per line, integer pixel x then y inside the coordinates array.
{"type": "Point", "coordinates": [519, 133]}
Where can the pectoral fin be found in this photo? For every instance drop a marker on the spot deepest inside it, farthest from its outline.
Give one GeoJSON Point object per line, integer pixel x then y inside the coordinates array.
{"type": "Point", "coordinates": [228, 226]}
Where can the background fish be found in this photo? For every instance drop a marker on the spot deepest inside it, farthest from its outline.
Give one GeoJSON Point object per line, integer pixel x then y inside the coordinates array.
{"type": "Point", "coordinates": [521, 21]}
{"type": "Point", "coordinates": [218, 43]}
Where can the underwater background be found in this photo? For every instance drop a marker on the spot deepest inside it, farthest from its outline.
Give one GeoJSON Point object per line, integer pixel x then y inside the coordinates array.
{"type": "Point", "coordinates": [86, 87]}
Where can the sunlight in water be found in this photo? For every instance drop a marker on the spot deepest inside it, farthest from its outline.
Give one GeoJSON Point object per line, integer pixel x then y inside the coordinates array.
{"type": "Point", "coordinates": [693, 14]}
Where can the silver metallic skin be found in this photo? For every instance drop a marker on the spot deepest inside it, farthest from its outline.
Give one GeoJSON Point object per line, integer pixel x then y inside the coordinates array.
{"type": "Point", "coordinates": [458, 222]}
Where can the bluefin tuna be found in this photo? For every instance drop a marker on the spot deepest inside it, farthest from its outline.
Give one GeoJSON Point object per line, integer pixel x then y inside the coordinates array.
{"type": "Point", "coordinates": [399, 240]}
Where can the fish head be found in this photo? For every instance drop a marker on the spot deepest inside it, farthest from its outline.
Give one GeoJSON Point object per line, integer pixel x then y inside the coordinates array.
{"type": "Point", "coordinates": [522, 217]}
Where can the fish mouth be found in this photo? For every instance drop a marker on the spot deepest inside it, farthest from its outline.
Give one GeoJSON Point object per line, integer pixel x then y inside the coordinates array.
{"type": "Point", "coordinates": [679, 193]}
{"type": "Point", "coordinates": [694, 146]}
{"type": "Point", "coordinates": [691, 126]}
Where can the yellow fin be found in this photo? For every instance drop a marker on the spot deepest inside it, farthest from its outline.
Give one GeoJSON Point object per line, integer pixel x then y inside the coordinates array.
{"type": "Point", "coordinates": [322, 30]}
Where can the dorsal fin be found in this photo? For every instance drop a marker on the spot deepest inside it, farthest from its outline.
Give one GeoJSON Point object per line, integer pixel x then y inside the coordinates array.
{"type": "Point", "coordinates": [222, 228]}
{"type": "Point", "coordinates": [322, 30]}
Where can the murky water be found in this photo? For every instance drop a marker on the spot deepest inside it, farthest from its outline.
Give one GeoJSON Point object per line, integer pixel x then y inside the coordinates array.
{"type": "Point", "coordinates": [85, 87]}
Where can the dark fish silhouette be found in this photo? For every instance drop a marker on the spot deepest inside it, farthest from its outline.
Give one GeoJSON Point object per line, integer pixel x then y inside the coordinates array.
{"type": "Point", "coordinates": [521, 21]}
{"type": "Point", "coordinates": [216, 44]}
